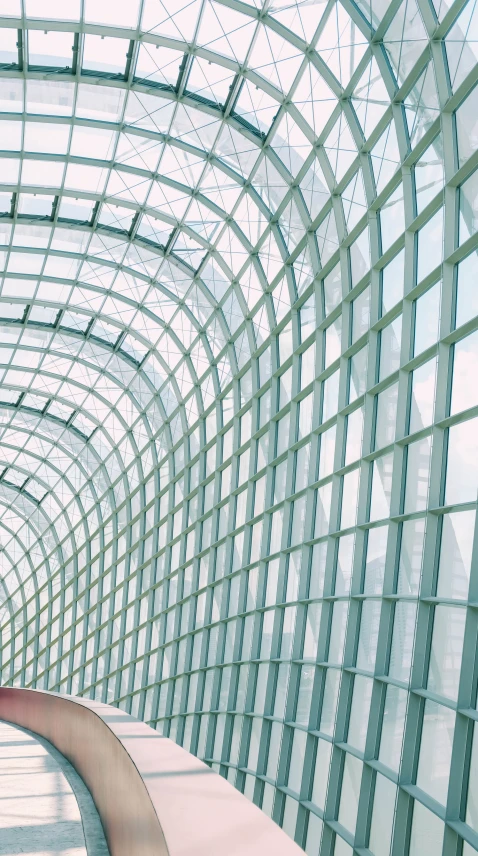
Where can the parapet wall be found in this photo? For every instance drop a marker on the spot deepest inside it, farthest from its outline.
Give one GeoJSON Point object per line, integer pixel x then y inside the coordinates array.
{"type": "Point", "coordinates": [153, 797]}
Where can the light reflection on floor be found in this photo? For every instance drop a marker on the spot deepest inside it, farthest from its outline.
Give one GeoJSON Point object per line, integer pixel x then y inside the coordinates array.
{"type": "Point", "coordinates": [39, 814]}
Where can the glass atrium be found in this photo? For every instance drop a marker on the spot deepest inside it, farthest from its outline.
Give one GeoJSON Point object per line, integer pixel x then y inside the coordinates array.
{"type": "Point", "coordinates": [238, 394]}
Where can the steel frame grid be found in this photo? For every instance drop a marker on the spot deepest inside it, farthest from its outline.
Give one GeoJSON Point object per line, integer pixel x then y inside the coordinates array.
{"type": "Point", "coordinates": [178, 632]}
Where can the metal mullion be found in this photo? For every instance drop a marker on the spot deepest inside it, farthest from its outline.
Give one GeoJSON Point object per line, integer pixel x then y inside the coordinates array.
{"type": "Point", "coordinates": [405, 796]}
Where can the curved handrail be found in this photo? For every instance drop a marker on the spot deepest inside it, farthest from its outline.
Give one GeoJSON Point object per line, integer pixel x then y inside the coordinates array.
{"type": "Point", "coordinates": [153, 797]}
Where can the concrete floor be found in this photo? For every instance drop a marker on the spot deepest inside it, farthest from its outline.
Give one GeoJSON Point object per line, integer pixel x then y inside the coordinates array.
{"type": "Point", "coordinates": [45, 808]}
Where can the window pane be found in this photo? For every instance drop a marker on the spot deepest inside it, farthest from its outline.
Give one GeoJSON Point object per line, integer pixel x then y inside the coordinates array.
{"type": "Point", "coordinates": [392, 282]}
{"type": "Point", "coordinates": [462, 463]}
{"type": "Point", "coordinates": [353, 446]}
{"type": "Point", "coordinates": [455, 554]}
{"type": "Point", "coordinates": [361, 314]}
{"type": "Point", "coordinates": [386, 416]}
{"type": "Point", "coordinates": [465, 364]}
{"type": "Point", "coordinates": [402, 640]}
{"type": "Point", "coordinates": [381, 487]}
{"type": "Point", "coordinates": [423, 396]}
{"type": "Point", "coordinates": [446, 651]}
{"type": "Point", "coordinates": [468, 207]}
{"type": "Point", "coordinates": [418, 473]}
{"type": "Point", "coordinates": [427, 319]}
{"type": "Point", "coordinates": [390, 339]}
{"type": "Point", "coordinates": [359, 712]}
{"type": "Point", "coordinates": [393, 725]}
{"type": "Point", "coordinates": [430, 245]}
{"type": "Point", "coordinates": [297, 760]}
{"type": "Point", "coordinates": [471, 816]}
{"type": "Point", "coordinates": [322, 764]}
{"type": "Point", "coordinates": [435, 750]}
{"type": "Point", "coordinates": [238, 464]}
{"type": "Point", "coordinates": [411, 555]}
{"type": "Point", "coordinates": [358, 374]}
{"type": "Point", "coordinates": [351, 779]}
{"type": "Point", "coordinates": [426, 837]}
{"type": "Point", "coordinates": [368, 636]}
{"type": "Point", "coordinates": [466, 296]}
{"type": "Point", "coordinates": [382, 816]}
{"type": "Point", "coordinates": [375, 560]}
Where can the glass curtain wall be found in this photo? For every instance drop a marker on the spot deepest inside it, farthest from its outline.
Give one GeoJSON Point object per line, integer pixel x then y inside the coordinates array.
{"type": "Point", "coordinates": [238, 393]}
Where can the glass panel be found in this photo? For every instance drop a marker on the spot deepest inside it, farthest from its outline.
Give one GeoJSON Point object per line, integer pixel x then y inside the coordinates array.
{"type": "Point", "coordinates": [381, 487]}
{"type": "Point", "coordinates": [392, 218]}
{"type": "Point", "coordinates": [462, 463]}
{"type": "Point", "coordinates": [297, 760]}
{"type": "Point", "coordinates": [322, 765]}
{"type": "Point", "coordinates": [411, 557]}
{"type": "Point", "coordinates": [351, 779]}
{"type": "Point", "coordinates": [426, 837]}
{"type": "Point", "coordinates": [418, 474]}
{"type": "Point", "coordinates": [393, 725]}
{"type": "Point", "coordinates": [435, 750]}
{"type": "Point", "coordinates": [332, 341]}
{"type": "Point", "coordinates": [466, 298]}
{"type": "Point", "coordinates": [471, 816]}
{"type": "Point", "coordinates": [350, 487]}
{"type": "Point", "coordinates": [430, 245]}
{"type": "Point", "coordinates": [8, 46]}
{"type": "Point", "coordinates": [427, 319]}
{"type": "Point", "coordinates": [402, 640]}
{"type": "Point", "coordinates": [329, 701]}
{"type": "Point", "coordinates": [358, 374]}
{"type": "Point", "coordinates": [50, 49]}
{"type": "Point", "coordinates": [446, 651]}
{"type": "Point", "coordinates": [353, 446]}
{"type": "Point", "coordinates": [192, 247]}
{"type": "Point", "coordinates": [386, 416]}
{"type": "Point", "coordinates": [314, 833]}
{"type": "Point", "coordinates": [360, 314]}
{"type": "Point", "coordinates": [359, 711]}
{"type": "Point", "coordinates": [368, 636]}
{"type": "Point", "coordinates": [375, 560]}
{"type": "Point", "coordinates": [338, 631]}
{"type": "Point", "coordinates": [468, 207]}
{"type": "Point", "coordinates": [345, 556]}
{"type": "Point", "coordinates": [158, 64]}
{"type": "Point", "coordinates": [455, 555]}
{"type": "Point", "coordinates": [429, 174]}
{"type": "Point", "coordinates": [390, 339]}
{"type": "Point", "coordinates": [103, 53]}
{"type": "Point", "coordinates": [423, 396]}
{"type": "Point", "coordinates": [465, 361]}
{"type": "Point", "coordinates": [392, 282]}
{"type": "Point", "coordinates": [382, 816]}
{"type": "Point", "coordinates": [101, 12]}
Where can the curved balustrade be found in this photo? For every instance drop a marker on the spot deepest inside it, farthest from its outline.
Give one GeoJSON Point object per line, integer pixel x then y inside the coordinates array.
{"type": "Point", "coordinates": [152, 796]}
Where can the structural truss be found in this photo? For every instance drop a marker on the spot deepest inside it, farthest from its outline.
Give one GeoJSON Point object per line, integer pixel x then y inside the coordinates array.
{"type": "Point", "coordinates": [238, 393]}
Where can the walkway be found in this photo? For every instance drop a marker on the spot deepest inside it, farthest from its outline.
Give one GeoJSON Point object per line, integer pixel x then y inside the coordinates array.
{"type": "Point", "coordinates": [45, 808]}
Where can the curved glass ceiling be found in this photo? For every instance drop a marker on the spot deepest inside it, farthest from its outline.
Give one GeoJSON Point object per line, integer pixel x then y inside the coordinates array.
{"type": "Point", "coordinates": [169, 187]}
{"type": "Point", "coordinates": [228, 233]}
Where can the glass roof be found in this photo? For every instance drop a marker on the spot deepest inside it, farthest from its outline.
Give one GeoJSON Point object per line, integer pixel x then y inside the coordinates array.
{"type": "Point", "coordinates": [174, 177]}
{"type": "Point", "coordinates": [238, 409]}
